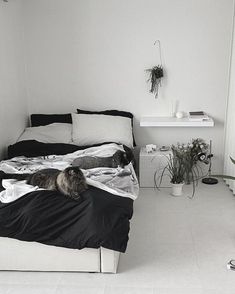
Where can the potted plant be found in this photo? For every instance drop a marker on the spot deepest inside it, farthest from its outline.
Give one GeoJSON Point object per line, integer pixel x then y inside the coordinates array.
{"type": "Point", "coordinates": [155, 76]}
{"type": "Point", "coordinates": [175, 169]}
{"type": "Point", "coordinates": [195, 152]}
{"type": "Point", "coordinates": [182, 165]}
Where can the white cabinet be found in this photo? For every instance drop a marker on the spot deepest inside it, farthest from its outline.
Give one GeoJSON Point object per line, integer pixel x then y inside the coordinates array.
{"type": "Point", "coordinates": [151, 163]}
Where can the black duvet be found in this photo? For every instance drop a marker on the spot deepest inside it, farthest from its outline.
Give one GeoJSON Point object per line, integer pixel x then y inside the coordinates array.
{"type": "Point", "coordinates": [97, 219]}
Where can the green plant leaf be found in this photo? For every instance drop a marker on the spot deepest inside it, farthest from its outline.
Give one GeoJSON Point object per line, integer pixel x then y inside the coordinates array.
{"type": "Point", "coordinates": [233, 161]}
{"type": "Point", "coordinates": [224, 177]}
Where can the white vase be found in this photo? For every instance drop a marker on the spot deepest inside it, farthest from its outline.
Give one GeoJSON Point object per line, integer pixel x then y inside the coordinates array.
{"type": "Point", "coordinates": [177, 189]}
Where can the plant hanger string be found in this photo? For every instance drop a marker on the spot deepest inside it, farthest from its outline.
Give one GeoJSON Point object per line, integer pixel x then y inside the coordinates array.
{"type": "Point", "coordinates": [160, 50]}
{"type": "Point", "coordinates": [156, 73]}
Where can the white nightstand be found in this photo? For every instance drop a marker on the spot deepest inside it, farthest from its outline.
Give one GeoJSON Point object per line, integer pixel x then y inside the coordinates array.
{"type": "Point", "coordinates": [149, 164]}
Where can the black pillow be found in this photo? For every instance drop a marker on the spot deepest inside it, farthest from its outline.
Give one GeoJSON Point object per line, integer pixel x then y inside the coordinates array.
{"type": "Point", "coordinates": [112, 112]}
{"type": "Point", "coordinates": [107, 112]}
{"type": "Point", "coordinates": [46, 119]}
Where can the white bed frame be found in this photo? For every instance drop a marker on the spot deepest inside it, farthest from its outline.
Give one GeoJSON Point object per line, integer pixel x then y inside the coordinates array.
{"type": "Point", "coordinates": [32, 256]}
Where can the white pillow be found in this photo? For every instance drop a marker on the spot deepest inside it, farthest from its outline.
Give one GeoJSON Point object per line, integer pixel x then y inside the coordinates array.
{"type": "Point", "coordinates": [53, 133]}
{"type": "Point", "coordinates": [90, 129]}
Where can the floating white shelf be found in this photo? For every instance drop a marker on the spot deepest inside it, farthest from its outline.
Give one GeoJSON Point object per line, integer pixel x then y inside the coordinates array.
{"type": "Point", "coordinates": [153, 121]}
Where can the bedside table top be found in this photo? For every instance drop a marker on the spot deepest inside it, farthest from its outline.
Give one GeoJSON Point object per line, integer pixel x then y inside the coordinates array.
{"type": "Point", "coordinates": [143, 152]}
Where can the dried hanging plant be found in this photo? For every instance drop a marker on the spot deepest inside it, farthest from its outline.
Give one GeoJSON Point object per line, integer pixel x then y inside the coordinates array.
{"type": "Point", "coordinates": [156, 73]}
{"type": "Point", "coordinates": [155, 76]}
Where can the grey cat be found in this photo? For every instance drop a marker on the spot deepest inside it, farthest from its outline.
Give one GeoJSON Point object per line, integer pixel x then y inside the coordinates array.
{"type": "Point", "coordinates": [70, 182]}
{"type": "Point", "coordinates": [119, 158]}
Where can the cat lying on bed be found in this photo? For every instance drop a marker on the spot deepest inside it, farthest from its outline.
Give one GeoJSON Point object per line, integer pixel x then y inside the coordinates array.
{"type": "Point", "coordinates": [70, 182]}
{"type": "Point", "coordinates": [119, 158]}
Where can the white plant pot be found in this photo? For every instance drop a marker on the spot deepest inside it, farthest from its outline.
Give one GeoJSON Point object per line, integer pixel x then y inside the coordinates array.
{"type": "Point", "coordinates": [177, 189]}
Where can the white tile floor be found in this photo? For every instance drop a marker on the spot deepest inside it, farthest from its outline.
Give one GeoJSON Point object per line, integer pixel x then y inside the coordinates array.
{"type": "Point", "coordinates": [177, 245]}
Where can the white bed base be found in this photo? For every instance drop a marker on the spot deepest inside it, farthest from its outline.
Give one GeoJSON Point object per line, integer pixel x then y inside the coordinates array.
{"type": "Point", "coordinates": [32, 256]}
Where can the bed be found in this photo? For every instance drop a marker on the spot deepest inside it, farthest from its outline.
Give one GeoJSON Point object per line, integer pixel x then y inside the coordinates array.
{"type": "Point", "coordinates": [42, 230]}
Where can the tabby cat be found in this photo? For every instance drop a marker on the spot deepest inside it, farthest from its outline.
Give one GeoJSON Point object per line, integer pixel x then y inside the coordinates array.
{"type": "Point", "coordinates": [119, 158]}
{"type": "Point", "coordinates": [70, 182]}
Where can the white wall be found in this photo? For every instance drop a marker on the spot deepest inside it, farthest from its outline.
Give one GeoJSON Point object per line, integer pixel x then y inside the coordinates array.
{"type": "Point", "coordinates": [229, 167]}
{"type": "Point", "coordinates": [13, 110]}
{"type": "Point", "coordinates": [93, 54]}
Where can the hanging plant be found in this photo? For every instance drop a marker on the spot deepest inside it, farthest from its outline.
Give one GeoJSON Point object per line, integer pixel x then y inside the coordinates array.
{"type": "Point", "coordinates": [155, 76]}
{"type": "Point", "coordinates": [156, 73]}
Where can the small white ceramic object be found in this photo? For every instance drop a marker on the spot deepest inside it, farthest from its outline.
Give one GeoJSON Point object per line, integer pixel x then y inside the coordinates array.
{"type": "Point", "coordinates": [179, 114]}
